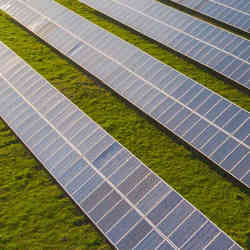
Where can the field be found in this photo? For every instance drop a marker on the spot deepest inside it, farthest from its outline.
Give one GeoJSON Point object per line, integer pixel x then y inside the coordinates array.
{"type": "Point", "coordinates": [34, 211]}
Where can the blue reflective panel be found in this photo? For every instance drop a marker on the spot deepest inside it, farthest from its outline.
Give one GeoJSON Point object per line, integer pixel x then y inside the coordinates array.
{"type": "Point", "coordinates": [182, 234]}
{"type": "Point", "coordinates": [129, 183]}
{"type": "Point", "coordinates": [128, 93]}
{"type": "Point", "coordinates": [208, 104]}
{"type": "Point", "coordinates": [91, 141]}
{"type": "Point", "coordinates": [80, 179]}
{"type": "Point", "coordinates": [141, 93]}
{"type": "Point", "coordinates": [153, 196]}
{"type": "Point", "coordinates": [94, 196]}
{"type": "Point", "coordinates": [166, 116]}
{"type": "Point", "coordinates": [68, 121]}
{"type": "Point", "coordinates": [234, 157]}
{"type": "Point", "coordinates": [212, 61]}
{"type": "Point", "coordinates": [65, 164]}
{"type": "Point", "coordinates": [107, 155]}
{"type": "Point", "coordinates": [196, 130]}
{"type": "Point", "coordinates": [238, 73]}
{"type": "Point", "coordinates": [217, 110]}
{"type": "Point", "coordinates": [58, 156]}
{"type": "Point", "coordinates": [153, 104]}
{"type": "Point", "coordinates": [232, 67]}
{"type": "Point", "coordinates": [212, 144]}
{"type": "Point", "coordinates": [194, 50]}
{"type": "Point", "coordinates": [165, 206]}
{"type": "Point", "coordinates": [235, 247]}
{"type": "Point", "coordinates": [189, 122]}
{"type": "Point", "coordinates": [125, 170]}
{"type": "Point", "coordinates": [175, 217]}
{"type": "Point", "coordinates": [113, 216]}
{"type": "Point", "coordinates": [243, 131]}
{"type": "Point", "coordinates": [242, 167]}
{"type": "Point", "coordinates": [221, 242]}
{"type": "Point", "coordinates": [115, 163]}
{"type": "Point", "coordinates": [226, 115]}
{"type": "Point", "coordinates": [202, 237]}
{"type": "Point", "coordinates": [123, 226]}
{"type": "Point", "coordinates": [165, 246]}
{"type": "Point", "coordinates": [143, 188]}
{"type": "Point", "coordinates": [183, 114]}
{"type": "Point", "coordinates": [102, 208]}
{"type": "Point", "coordinates": [42, 136]}
{"type": "Point", "coordinates": [208, 57]}
{"type": "Point", "coordinates": [135, 235]}
{"type": "Point", "coordinates": [224, 150]}
{"type": "Point", "coordinates": [190, 94]}
{"type": "Point", "coordinates": [84, 191]}
{"type": "Point", "coordinates": [237, 121]}
{"type": "Point", "coordinates": [150, 242]}
{"type": "Point", "coordinates": [174, 84]}
{"type": "Point", "coordinates": [163, 83]}
{"type": "Point", "coordinates": [224, 63]}
{"type": "Point", "coordinates": [245, 79]}
{"type": "Point", "coordinates": [246, 179]}
{"type": "Point", "coordinates": [98, 149]}
{"type": "Point", "coordinates": [188, 84]}
{"type": "Point", "coordinates": [247, 141]}
{"type": "Point", "coordinates": [73, 171]}
{"type": "Point", "coordinates": [31, 130]}
{"type": "Point", "coordinates": [203, 52]}
{"type": "Point", "coordinates": [165, 105]}
{"type": "Point", "coordinates": [205, 136]}
{"type": "Point", "coordinates": [49, 150]}
{"type": "Point", "coordinates": [199, 99]}
{"type": "Point", "coordinates": [83, 133]}
{"type": "Point", "coordinates": [147, 98]}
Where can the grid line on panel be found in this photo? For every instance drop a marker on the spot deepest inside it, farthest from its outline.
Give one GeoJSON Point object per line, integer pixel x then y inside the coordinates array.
{"type": "Point", "coordinates": [72, 146]}
{"type": "Point", "coordinates": [125, 69]}
{"type": "Point", "coordinates": [223, 11]}
{"type": "Point", "coordinates": [103, 179]}
{"type": "Point", "coordinates": [241, 59]}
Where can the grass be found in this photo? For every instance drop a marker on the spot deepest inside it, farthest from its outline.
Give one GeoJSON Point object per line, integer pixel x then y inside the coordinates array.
{"type": "Point", "coordinates": [34, 212]}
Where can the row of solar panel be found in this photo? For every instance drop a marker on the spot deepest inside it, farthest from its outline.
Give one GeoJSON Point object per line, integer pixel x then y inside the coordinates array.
{"type": "Point", "coordinates": [219, 50]}
{"type": "Point", "coordinates": [195, 27]}
{"type": "Point", "coordinates": [211, 124]}
{"type": "Point", "coordinates": [234, 13]}
{"type": "Point", "coordinates": [132, 206]}
{"type": "Point", "coordinates": [242, 5]}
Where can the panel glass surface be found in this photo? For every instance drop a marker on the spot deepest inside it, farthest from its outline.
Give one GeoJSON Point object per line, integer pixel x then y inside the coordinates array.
{"type": "Point", "coordinates": [185, 34]}
{"type": "Point", "coordinates": [117, 211]}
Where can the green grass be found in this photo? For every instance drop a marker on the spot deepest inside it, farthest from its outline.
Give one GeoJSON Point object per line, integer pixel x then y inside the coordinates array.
{"type": "Point", "coordinates": [34, 213]}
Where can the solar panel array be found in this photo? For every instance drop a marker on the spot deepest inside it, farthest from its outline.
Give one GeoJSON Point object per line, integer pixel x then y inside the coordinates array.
{"type": "Point", "coordinates": [235, 13]}
{"type": "Point", "coordinates": [131, 206]}
{"type": "Point", "coordinates": [211, 124]}
{"type": "Point", "coordinates": [217, 49]}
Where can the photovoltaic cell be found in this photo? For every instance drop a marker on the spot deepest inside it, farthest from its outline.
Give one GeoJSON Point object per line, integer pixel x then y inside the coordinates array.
{"type": "Point", "coordinates": [232, 13]}
{"type": "Point", "coordinates": [115, 211]}
{"type": "Point", "coordinates": [178, 103]}
{"type": "Point", "coordinates": [196, 39]}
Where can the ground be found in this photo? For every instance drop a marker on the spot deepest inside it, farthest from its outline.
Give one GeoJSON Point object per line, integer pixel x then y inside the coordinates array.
{"type": "Point", "coordinates": [36, 214]}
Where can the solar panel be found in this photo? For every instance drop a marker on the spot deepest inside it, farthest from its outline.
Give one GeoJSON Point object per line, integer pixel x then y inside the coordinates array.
{"type": "Point", "coordinates": [210, 46]}
{"type": "Point", "coordinates": [209, 123]}
{"type": "Point", "coordinates": [127, 202]}
{"type": "Point", "coordinates": [233, 13]}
